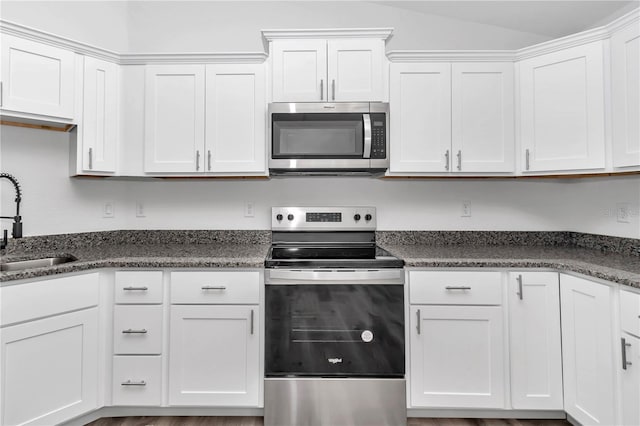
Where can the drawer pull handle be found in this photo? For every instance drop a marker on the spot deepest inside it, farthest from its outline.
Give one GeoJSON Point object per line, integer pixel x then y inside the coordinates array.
{"type": "Point", "coordinates": [212, 287]}
{"type": "Point", "coordinates": [131, 383]}
{"type": "Point", "coordinates": [457, 288]}
{"type": "Point", "coordinates": [132, 331]}
{"type": "Point", "coordinates": [135, 288]}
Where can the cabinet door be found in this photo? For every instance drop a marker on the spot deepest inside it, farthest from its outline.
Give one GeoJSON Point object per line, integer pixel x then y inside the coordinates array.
{"type": "Point", "coordinates": [174, 118]}
{"type": "Point", "coordinates": [355, 70]}
{"type": "Point", "coordinates": [457, 356]}
{"type": "Point", "coordinates": [236, 114]}
{"type": "Point", "coordinates": [299, 70]}
{"type": "Point", "coordinates": [99, 124]}
{"type": "Point", "coordinates": [420, 99]}
{"type": "Point", "coordinates": [214, 356]}
{"type": "Point", "coordinates": [37, 78]}
{"type": "Point", "coordinates": [535, 346]}
{"type": "Point", "coordinates": [631, 381]}
{"type": "Point", "coordinates": [562, 110]}
{"type": "Point", "coordinates": [483, 137]}
{"type": "Point", "coordinates": [587, 350]}
{"type": "Point", "coordinates": [50, 369]}
{"type": "Point", "coordinates": [625, 99]}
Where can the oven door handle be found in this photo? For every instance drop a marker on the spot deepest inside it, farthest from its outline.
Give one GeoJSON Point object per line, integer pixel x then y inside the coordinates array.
{"type": "Point", "coordinates": [366, 118]}
{"type": "Point", "coordinates": [335, 276]}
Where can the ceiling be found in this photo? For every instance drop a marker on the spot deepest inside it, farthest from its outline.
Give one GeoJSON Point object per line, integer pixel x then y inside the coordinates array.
{"type": "Point", "coordinates": [548, 18]}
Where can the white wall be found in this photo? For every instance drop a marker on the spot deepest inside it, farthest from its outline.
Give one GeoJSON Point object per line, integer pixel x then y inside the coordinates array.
{"type": "Point", "coordinates": [54, 203]}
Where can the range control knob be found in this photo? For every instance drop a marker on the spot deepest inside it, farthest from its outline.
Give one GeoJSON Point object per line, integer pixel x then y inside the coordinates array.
{"type": "Point", "coordinates": [368, 217]}
{"type": "Point", "coordinates": [290, 216]}
{"type": "Point", "coordinates": [356, 217]}
{"type": "Point", "coordinates": [279, 217]}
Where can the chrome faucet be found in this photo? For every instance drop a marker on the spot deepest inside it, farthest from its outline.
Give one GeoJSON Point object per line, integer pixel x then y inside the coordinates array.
{"type": "Point", "coordinates": [17, 219]}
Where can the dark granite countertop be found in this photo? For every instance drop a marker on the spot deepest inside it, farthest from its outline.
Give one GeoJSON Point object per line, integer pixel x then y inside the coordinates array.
{"type": "Point", "coordinates": [619, 268]}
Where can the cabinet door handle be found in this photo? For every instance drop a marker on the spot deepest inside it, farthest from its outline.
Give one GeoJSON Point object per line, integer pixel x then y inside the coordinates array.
{"type": "Point", "coordinates": [624, 345]}
{"type": "Point", "coordinates": [209, 159]}
{"type": "Point", "coordinates": [1, 93]}
{"type": "Point", "coordinates": [321, 90]}
{"type": "Point", "coordinates": [135, 288]}
{"type": "Point", "coordinates": [213, 287]}
{"type": "Point", "coordinates": [132, 383]}
{"type": "Point", "coordinates": [462, 287]}
{"type": "Point", "coordinates": [459, 155]}
{"type": "Point", "coordinates": [418, 321]}
{"type": "Point", "coordinates": [519, 279]}
{"type": "Point", "coordinates": [333, 89]}
{"type": "Point", "coordinates": [132, 331]}
{"type": "Point", "coordinates": [251, 327]}
{"type": "Point", "coordinates": [446, 160]}
{"type": "Point", "coordinates": [197, 160]}
{"type": "Point", "coordinates": [90, 158]}
{"type": "Point", "coordinates": [526, 158]}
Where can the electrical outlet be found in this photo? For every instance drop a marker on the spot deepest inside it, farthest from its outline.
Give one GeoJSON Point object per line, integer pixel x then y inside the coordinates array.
{"type": "Point", "coordinates": [108, 210]}
{"type": "Point", "coordinates": [248, 210]}
{"type": "Point", "coordinates": [623, 213]}
{"type": "Point", "coordinates": [466, 209]}
{"type": "Point", "coordinates": [140, 211]}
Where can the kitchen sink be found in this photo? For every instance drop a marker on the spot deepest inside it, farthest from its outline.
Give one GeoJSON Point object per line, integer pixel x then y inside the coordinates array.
{"type": "Point", "coordinates": [35, 263]}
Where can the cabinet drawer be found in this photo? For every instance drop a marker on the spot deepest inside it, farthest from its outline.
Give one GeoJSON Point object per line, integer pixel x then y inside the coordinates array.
{"type": "Point", "coordinates": [138, 287]}
{"type": "Point", "coordinates": [137, 329]}
{"type": "Point", "coordinates": [194, 287]}
{"type": "Point", "coordinates": [630, 312]}
{"type": "Point", "coordinates": [137, 380]}
{"type": "Point", "coordinates": [455, 288]}
{"type": "Point", "coordinates": [47, 297]}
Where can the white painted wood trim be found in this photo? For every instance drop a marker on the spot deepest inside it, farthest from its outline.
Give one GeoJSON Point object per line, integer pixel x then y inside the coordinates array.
{"type": "Point", "coordinates": [451, 55]}
{"type": "Point", "coordinates": [382, 33]}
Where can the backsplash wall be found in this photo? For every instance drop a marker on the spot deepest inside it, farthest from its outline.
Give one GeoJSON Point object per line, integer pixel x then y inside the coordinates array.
{"type": "Point", "coordinates": [54, 203]}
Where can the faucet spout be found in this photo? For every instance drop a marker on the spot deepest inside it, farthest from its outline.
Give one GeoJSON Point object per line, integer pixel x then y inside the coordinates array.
{"type": "Point", "coordinates": [17, 219]}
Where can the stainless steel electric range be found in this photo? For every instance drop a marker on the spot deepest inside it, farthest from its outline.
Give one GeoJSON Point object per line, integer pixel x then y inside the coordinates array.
{"type": "Point", "coordinates": [334, 344]}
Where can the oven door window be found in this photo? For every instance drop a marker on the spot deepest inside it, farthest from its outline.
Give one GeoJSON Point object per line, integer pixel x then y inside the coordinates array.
{"type": "Point", "coordinates": [299, 136]}
{"type": "Point", "coordinates": [334, 330]}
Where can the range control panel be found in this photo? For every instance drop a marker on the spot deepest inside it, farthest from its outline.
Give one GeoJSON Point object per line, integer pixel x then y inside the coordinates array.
{"type": "Point", "coordinates": [323, 218]}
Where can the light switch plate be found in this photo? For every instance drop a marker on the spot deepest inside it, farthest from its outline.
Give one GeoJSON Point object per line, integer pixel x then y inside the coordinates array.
{"type": "Point", "coordinates": [108, 209]}
{"type": "Point", "coordinates": [623, 213]}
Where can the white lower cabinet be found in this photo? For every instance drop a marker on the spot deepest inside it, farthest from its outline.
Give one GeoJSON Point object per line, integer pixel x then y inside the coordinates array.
{"type": "Point", "coordinates": [587, 350]}
{"type": "Point", "coordinates": [214, 355]}
{"type": "Point", "coordinates": [534, 341]}
{"type": "Point", "coordinates": [630, 380]}
{"type": "Point", "coordinates": [137, 380]}
{"type": "Point", "coordinates": [50, 369]}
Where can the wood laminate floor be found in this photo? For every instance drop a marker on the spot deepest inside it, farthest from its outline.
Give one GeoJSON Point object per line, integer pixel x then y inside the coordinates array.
{"type": "Point", "coordinates": [257, 421]}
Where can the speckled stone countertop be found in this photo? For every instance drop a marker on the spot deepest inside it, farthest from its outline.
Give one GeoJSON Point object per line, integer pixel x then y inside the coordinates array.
{"type": "Point", "coordinates": [614, 267]}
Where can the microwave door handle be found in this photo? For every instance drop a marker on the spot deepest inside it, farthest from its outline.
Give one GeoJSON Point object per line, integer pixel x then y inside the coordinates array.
{"type": "Point", "coordinates": [366, 118]}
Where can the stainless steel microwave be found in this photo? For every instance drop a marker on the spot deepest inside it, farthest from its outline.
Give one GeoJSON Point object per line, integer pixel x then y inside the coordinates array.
{"type": "Point", "coordinates": [328, 138]}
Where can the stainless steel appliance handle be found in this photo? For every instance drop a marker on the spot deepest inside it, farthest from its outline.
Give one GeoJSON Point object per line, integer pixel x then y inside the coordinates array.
{"type": "Point", "coordinates": [459, 155]}
{"type": "Point", "coordinates": [366, 118]}
{"type": "Point", "coordinates": [418, 321]}
{"type": "Point", "coordinates": [213, 287]}
{"type": "Point", "coordinates": [446, 160]}
{"type": "Point", "coordinates": [334, 276]}
{"type": "Point", "coordinates": [458, 287]}
{"type": "Point", "coordinates": [131, 383]}
{"type": "Point", "coordinates": [135, 288]}
{"type": "Point", "coordinates": [251, 322]}
{"type": "Point", "coordinates": [519, 279]}
{"type": "Point", "coordinates": [90, 158]}
{"type": "Point", "coordinates": [321, 89]}
{"type": "Point", "coordinates": [197, 160]}
{"type": "Point", "coordinates": [131, 331]}
{"type": "Point", "coordinates": [624, 345]}
{"type": "Point", "coordinates": [333, 89]}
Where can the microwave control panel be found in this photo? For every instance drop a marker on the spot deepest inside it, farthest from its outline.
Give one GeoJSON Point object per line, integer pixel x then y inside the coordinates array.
{"type": "Point", "coordinates": [378, 136]}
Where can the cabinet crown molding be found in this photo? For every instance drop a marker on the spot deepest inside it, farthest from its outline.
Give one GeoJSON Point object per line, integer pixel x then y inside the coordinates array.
{"type": "Point", "coordinates": [451, 55]}
{"type": "Point", "coordinates": [381, 33]}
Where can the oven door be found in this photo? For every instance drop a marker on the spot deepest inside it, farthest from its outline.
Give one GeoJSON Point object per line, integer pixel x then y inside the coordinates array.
{"type": "Point", "coordinates": [334, 330]}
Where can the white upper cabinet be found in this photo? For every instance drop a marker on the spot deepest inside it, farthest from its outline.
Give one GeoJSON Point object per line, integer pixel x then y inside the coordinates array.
{"type": "Point", "coordinates": [482, 117]}
{"type": "Point", "coordinates": [174, 118]}
{"type": "Point", "coordinates": [36, 78]}
{"type": "Point", "coordinates": [235, 118]}
{"type": "Point", "coordinates": [625, 98]}
{"type": "Point", "coordinates": [317, 70]}
{"type": "Point", "coordinates": [98, 125]}
{"type": "Point", "coordinates": [562, 110]}
{"type": "Point", "coordinates": [420, 109]}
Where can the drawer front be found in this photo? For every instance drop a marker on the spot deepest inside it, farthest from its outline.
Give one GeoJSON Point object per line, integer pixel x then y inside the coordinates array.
{"type": "Point", "coordinates": [137, 329]}
{"type": "Point", "coordinates": [137, 380]}
{"type": "Point", "coordinates": [194, 287]}
{"type": "Point", "coordinates": [47, 297]}
{"type": "Point", "coordinates": [138, 287]}
{"type": "Point", "coordinates": [630, 312]}
{"type": "Point", "coordinates": [455, 288]}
